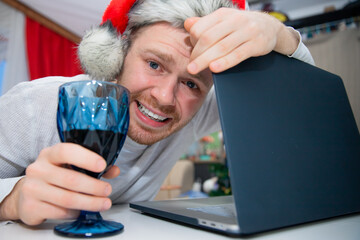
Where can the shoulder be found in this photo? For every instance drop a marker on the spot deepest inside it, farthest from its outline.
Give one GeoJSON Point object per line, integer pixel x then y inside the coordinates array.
{"type": "Point", "coordinates": [41, 87]}
{"type": "Point", "coordinates": [49, 82]}
{"type": "Point", "coordinates": [31, 97]}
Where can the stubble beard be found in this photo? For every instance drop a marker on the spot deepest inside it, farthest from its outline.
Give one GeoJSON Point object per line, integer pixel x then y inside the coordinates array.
{"type": "Point", "coordinates": [147, 136]}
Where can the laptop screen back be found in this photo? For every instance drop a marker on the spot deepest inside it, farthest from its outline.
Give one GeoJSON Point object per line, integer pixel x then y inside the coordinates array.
{"type": "Point", "coordinates": [291, 140]}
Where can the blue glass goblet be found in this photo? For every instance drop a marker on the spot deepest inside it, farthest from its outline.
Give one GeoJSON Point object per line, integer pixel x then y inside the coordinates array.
{"type": "Point", "coordinates": [94, 114]}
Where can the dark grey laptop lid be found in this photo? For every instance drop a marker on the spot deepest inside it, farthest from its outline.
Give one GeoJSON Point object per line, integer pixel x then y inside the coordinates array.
{"type": "Point", "coordinates": [292, 143]}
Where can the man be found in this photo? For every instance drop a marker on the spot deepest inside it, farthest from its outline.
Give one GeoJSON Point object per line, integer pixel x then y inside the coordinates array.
{"type": "Point", "coordinates": [164, 54]}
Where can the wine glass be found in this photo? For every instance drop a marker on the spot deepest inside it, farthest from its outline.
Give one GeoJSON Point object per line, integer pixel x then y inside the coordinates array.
{"type": "Point", "coordinates": [94, 114]}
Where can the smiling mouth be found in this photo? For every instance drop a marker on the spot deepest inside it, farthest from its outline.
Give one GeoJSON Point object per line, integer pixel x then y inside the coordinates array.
{"type": "Point", "coordinates": [149, 114]}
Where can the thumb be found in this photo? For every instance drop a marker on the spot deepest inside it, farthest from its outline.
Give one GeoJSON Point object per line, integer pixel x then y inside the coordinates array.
{"type": "Point", "coordinates": [113, 172]}
{"type": "Point", "coordinates": [190, 22]}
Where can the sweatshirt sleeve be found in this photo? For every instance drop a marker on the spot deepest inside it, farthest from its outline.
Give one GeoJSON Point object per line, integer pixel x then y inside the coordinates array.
{"type": "Point", "coordinates": [301, 53]}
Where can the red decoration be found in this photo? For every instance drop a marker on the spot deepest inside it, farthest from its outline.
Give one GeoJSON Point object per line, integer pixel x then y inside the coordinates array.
{"type": "Point", "coordinates": [49, 54]}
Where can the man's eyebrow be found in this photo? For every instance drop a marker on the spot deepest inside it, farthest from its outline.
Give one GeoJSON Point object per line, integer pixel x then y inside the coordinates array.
{"type": "Point", "coordinates": [168, 58]}
{"type": "Point", "coordinates": [197, 76]}
{"type": "Point", "coordinates": [162, 55]}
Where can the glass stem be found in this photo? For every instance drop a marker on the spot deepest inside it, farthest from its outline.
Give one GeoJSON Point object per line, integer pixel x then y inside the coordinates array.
{"type": "Point", "coordinates": [89, 217]}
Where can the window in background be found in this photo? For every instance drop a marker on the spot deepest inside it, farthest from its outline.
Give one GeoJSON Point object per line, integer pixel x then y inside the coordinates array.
{"type": "Point", "coordinates": [4, 40]}
{"type": "Point", "coordinates": [2, 69]}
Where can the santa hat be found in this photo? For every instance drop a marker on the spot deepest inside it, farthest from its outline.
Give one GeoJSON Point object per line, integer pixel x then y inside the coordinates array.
{"type": "Point", "coordinates": [102, 50]}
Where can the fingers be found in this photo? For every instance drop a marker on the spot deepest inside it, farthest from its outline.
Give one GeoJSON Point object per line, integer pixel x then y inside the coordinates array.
{"type": "Point", "coordinates": [68, 179]}
{"type": "Point", "coordinates": [227, 37]}
{"type": "Point", "coordinates": [203, 32]}
{"type": "Point", "coordinates": [51, 191]}
{"type": "Point", "coordinates": [63, 198]}
{"type": "Point", "coordinates": [212, 36]}
{"type": "Point", "coordinates": [44, 211]}
{"type": "Point", "coordinates": [39, 201]}
{"type": "Point", "coordinates": [214, 46]}
{"type": "Point", "coordinates": [48, 168]}
{"type": "Point", "coordinates": [73, 154]}
{"type": "Point", "coordinates": [239, 54]}
{"type": "Point", "coordinates": [217, 35]}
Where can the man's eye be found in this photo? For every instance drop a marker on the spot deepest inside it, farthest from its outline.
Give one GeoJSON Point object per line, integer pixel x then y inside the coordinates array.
{"type": "Point", "coordinates": [153, 65]}
{"type": "Point", "coordinates": [190, 84]}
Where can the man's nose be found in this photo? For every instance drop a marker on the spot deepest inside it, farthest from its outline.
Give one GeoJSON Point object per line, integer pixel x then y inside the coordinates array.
{"type": "Point", "coordinates": [165, 91]}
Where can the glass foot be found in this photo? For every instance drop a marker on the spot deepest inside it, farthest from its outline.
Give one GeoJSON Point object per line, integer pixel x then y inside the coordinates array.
{"type": "Point", "coordinates": [89, 224]}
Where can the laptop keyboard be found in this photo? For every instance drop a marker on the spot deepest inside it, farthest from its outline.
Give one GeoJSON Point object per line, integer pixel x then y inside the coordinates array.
{"type": "Point", "coordinates": [224, 210]}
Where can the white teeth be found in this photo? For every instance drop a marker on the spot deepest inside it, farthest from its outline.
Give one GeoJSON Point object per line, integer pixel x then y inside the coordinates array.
{"type": "Point", "coordinates": [150, 114]}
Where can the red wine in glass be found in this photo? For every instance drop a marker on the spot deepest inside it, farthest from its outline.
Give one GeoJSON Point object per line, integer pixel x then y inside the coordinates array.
{"type": "Point", "coordinates": [104, 143]}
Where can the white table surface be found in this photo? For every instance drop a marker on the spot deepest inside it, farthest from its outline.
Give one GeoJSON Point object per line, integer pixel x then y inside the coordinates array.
{"type": "Point", "coordinates": [139, 226]}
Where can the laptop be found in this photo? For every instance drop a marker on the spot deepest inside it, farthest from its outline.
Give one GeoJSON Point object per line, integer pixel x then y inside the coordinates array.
{"type": "Point", "coordinates": [292, 146]}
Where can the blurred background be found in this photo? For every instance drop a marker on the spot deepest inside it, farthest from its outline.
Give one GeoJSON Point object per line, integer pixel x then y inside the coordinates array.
{"type": "Point", "coordinates": [38, 38]}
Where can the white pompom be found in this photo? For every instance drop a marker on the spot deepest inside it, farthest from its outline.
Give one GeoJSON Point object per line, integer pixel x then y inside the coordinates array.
{"type": "Point", "coordinates": [101, 53]}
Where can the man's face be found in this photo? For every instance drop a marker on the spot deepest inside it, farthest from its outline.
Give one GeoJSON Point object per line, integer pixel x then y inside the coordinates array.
{"type": "Point", "coordinates": [164, 96]}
